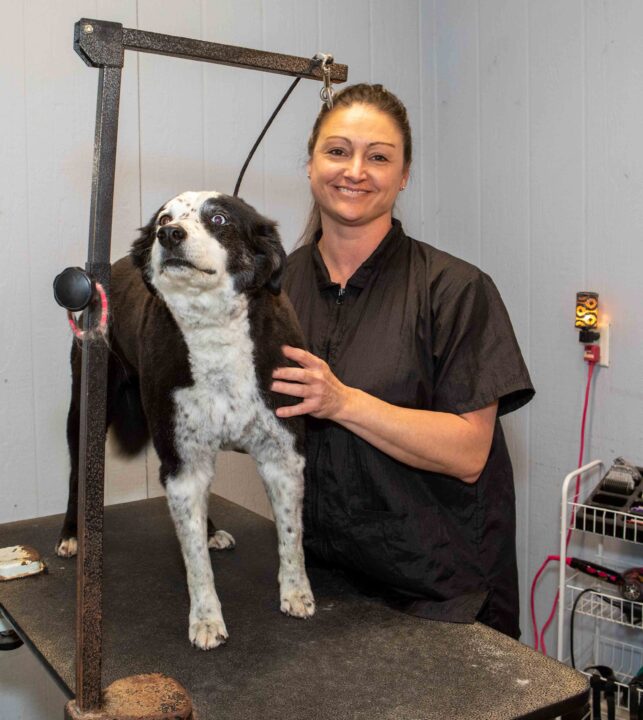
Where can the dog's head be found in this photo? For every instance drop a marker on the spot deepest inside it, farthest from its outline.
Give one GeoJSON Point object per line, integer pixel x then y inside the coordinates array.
{"type": "Point", "coordinates": [199, 238]}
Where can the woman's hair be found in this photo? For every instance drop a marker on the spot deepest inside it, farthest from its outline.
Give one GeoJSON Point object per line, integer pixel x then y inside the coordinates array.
{"type": "Point", "coordinates": [363, 94]}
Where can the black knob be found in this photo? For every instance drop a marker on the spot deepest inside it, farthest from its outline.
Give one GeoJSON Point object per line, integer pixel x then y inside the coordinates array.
{"type": "Point", "coordinates": [73, 289]}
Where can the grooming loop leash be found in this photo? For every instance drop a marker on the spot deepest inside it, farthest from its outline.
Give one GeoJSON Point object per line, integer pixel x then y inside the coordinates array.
{"type": "Point", "coordinates": [101, 328]}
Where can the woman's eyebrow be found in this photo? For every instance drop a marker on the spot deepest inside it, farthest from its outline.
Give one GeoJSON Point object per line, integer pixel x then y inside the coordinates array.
{"type": "Point", "coordinates": [345, 139]}
{"type": "Point", "coordinates": [337, 137]}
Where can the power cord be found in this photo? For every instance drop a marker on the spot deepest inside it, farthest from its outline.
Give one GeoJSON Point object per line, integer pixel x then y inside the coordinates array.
{"type": "Point", "coordinates": [539, 640]}
{"type": "Point", "coordinates": [261, 135]}
{"type": "Point", "coordinates": [321, 59]}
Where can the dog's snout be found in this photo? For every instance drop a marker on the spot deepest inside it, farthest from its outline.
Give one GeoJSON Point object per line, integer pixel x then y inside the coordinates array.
{"type": "Point", "coordinates": [170, 236]}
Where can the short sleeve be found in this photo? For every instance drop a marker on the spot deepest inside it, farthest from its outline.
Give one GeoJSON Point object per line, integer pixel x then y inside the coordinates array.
{"type": "Point", "coordinates": [476, 356]}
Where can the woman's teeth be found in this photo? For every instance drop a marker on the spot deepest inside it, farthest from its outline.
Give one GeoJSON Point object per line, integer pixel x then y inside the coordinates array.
{"type": "Point", "coordinates": [348, 191]}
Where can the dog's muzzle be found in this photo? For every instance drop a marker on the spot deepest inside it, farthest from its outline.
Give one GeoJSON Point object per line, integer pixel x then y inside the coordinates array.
{"type": "Point", "coordinates": [172, 238]}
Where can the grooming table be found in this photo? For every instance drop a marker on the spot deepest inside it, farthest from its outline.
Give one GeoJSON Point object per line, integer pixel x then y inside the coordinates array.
{"type": "Point", "coordinates": [356, 659]}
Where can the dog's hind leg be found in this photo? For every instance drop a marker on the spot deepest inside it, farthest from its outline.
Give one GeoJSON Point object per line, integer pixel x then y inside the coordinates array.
{"type": "Point", "coordinates": [282, 471]}
{"type": "Point", "coordinates": [187, 496]}
{"type": "Point", "coordinates": [67, 545]}
{"type": "Point", "coordinates": [123, 406]}
{"type": "Point", "coordinates": [219, 539]}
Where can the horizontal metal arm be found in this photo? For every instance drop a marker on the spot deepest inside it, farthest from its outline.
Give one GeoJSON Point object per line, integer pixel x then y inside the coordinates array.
{"type": "Point", "coordinates": [101, 44]}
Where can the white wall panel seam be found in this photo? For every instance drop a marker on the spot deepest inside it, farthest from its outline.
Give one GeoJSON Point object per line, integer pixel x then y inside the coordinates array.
{"type": "Point", "coordinates": [528, 459]}
{"type": "Point", "coordinates": [29, 334]}
{"type": "Point", "coordinates": [262, 106]}
{"type": "Point", "coordinates": [146, 452]}
{"type": "Point", "coordinates": [371, 44]}
{"type": "Point", "coordinates": [436, 125]}
{"type": "Point", "coordinates": [479, 134]}
{"type": "Point", "coordinates": [319, 30]}
{"type": "Point", "coordinates": [203, 111]}
{"type": "Point", "coordinates": [583, 80]}
{"type": "Point", "coordinates": [529, 489]}
{"type": "Point", "coordinates": [419, 146]}
{"type": "Point", "coordinates": [138, 122]}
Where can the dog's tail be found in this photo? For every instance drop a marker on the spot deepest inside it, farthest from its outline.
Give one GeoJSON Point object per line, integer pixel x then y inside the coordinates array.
{"type": "Point", "coordinates": [128, 422]}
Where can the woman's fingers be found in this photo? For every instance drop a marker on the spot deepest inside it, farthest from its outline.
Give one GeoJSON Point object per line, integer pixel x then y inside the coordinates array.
{"type": "Point", "coordinates": [303, 357]}
{"type": "Point", "coordinates": [302, 408]}
{"type": "Point", "coordinates": [289, 388]}
{"type": "Point", "coordinates": [291, 374]}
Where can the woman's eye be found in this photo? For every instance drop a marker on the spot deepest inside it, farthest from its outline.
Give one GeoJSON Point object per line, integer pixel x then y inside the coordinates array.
{"type": "Point", "coordinates": [336, 151]}
{"type": "Point", "coordinates": [165, 219]}
{"type": "Point", "coordinates": [219, 220]}
{"type": "Point", "coordinates": [380, 158]}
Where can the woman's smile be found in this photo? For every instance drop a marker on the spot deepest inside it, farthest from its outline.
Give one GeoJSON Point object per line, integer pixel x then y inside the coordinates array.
{"type": "Point", "coordinates": [351, 192]}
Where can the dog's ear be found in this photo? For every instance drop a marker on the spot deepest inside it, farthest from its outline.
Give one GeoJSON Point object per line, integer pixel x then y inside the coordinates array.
{"type": "Point", "coordinates": [270, 256]}
{"type": "Point", "coordinates": [142, 247]}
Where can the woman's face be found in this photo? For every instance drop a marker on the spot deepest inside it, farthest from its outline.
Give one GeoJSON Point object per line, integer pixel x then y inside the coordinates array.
{"type": "Point", "coordinates": [357, 166]}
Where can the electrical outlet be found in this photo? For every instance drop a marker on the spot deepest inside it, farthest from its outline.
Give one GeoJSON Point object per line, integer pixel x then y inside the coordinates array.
{"type": "Point", "coordinates": [604, 344]}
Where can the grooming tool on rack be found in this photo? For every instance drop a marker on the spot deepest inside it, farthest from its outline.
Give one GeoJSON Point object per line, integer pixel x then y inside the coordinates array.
{"type": "Point", "coordinates": [630, 583]}
{"type": "Point", "coordinates": [622, 477]}
{"type": "Point", "coordinates": [598, 571]}
{"type": "Point", "coordinates": [632, 588]}
{"type": "Point", "coordinates": [615, 506]}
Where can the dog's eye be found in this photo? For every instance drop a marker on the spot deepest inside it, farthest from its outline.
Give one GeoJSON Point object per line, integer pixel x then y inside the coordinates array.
{"type": "Point", "coordinates": [219, 219]}
{"type": "Point", "coordinates": [165, 219]}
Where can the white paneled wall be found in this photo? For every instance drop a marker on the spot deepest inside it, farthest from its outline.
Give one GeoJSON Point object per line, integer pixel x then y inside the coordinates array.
{"type": "Point", "coordinates": [528, 162]}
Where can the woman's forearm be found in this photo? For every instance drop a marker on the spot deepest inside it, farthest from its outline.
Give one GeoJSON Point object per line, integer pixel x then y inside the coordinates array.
{"type": "Point", "coordinates": [456, 445]}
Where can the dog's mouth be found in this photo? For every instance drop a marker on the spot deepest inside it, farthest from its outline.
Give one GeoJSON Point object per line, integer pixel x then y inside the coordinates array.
{"type": "Point", "coordinates": [175, 262]}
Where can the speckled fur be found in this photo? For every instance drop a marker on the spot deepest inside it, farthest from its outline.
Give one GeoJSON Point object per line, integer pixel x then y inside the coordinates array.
{"type": "Point", "coordinates": [217, 308]}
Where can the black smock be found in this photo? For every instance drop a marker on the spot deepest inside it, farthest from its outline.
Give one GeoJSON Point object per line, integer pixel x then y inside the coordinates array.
{"type": "Point", "coordinates": [418, 328]}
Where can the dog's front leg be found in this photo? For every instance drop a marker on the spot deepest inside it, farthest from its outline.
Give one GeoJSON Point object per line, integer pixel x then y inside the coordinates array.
{"type": "Point", "coordinates": [284, 483]}
{"type": "Point", "coordinates": [187, 497]}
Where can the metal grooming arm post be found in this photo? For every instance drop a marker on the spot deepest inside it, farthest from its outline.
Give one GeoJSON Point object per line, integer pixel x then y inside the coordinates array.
{"type": "Point", "coordinates": [102, 45]}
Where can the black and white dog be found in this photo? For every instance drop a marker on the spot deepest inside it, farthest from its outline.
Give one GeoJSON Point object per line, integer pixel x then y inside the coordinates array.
{"type": "Point", "coordinates": [197, 321]}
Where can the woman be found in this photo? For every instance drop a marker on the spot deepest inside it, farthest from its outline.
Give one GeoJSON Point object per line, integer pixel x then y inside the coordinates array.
{"type": "Point", "coordinates": [408, 481]}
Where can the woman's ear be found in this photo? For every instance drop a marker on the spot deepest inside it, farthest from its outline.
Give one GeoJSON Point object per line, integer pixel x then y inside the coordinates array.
{"type": "Point", "coordinates": [405, 178]}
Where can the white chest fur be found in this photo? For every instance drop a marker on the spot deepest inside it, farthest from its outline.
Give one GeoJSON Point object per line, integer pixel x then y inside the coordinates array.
{"type": "Point", "coordinates": [223, 407]}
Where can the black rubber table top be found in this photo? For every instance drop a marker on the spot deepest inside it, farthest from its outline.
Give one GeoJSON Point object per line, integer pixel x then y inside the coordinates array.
{"type": "Point", "coordinates": [356, 659]}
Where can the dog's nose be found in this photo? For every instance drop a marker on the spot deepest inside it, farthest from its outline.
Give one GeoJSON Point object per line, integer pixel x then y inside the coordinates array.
{"type": "Point", "coordinates": [170, 236]}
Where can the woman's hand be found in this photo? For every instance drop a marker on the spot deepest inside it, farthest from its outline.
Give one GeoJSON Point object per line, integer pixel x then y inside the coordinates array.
{"type": "Point", "coordinates": [323, 395]}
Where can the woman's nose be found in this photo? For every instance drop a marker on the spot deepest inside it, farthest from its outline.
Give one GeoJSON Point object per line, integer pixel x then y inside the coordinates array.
{"type": "Point", "coordinates": [355, 169]}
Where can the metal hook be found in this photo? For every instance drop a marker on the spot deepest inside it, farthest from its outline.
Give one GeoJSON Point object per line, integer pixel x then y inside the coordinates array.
{"type": "Point", "coordinates": [326, 93]}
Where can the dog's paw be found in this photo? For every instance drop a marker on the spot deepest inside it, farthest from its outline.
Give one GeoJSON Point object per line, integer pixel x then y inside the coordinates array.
{"type": "Point", "coordinates": [298, 603]}
{"type": "Point", "coordinates": [208, 634]}
{"type": "Point", "coordinates": [221, 540]}
{"type": "Point", "coordinates": [67, 547]}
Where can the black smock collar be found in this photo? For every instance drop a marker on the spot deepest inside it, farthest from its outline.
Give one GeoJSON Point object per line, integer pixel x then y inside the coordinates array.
{"type": "Point", "coordinates": [379, 256]}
